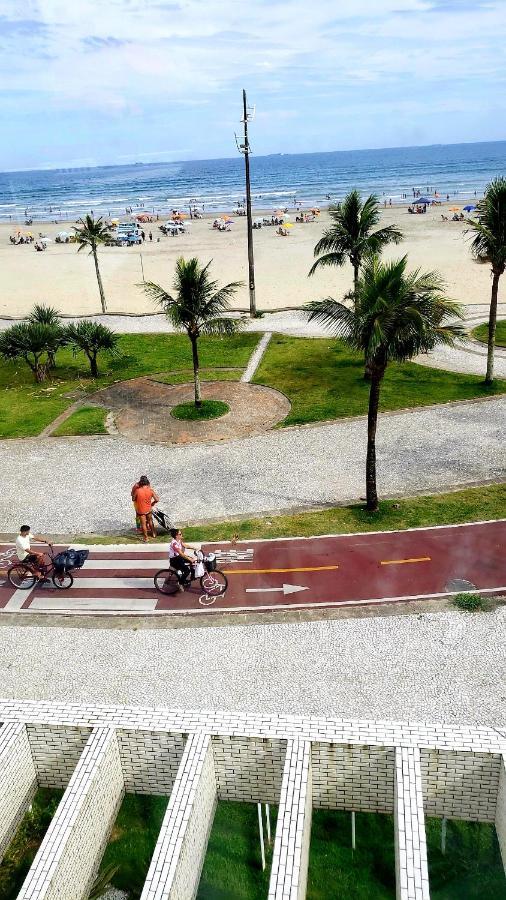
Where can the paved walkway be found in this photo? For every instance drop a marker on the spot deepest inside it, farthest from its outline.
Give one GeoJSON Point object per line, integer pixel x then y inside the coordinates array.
{"type": "Point", "coordinates": [83, 484]}
{"type": "Point", "coordinates": [287, 574]}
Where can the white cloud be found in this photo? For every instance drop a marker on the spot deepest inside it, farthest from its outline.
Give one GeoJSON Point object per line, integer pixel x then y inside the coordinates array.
{"type": "Point", "coordinates": [122, 57]}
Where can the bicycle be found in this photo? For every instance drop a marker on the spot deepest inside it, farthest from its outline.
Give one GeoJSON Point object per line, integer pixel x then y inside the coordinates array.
{"type": "Point", "coordinates": [213, 582]}
{"type": "Point", "coordinates": [22, 576]}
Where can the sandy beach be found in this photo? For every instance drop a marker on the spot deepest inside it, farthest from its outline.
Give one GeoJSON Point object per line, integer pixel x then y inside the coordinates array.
{"type": "Point", "coordinates": [66, 279]}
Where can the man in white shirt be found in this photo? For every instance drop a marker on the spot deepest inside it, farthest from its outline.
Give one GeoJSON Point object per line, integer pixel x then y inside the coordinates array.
{"type": "Point", "coordinates": [25, 553]}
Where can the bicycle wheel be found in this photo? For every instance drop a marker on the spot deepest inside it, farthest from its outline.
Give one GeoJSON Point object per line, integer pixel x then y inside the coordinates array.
{"type": "Point", "coordinates": [63, 580]}
{"type": "Point", "coordinates": [166, 581]}
{"type": "Point", "coordinates": [21, 577]}
{"type": "Point", "coordinates": [214, 583]}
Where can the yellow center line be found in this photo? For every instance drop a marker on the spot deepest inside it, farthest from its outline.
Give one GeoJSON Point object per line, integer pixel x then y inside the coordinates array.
{"type": "Point", "coordinates": [267, 571]}
{"type": "Point", "coordinates": [399, 562]}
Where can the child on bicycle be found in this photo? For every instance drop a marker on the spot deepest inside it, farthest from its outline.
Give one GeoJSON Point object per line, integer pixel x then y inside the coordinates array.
{"type": "Point", "coordinates": [25, 553]}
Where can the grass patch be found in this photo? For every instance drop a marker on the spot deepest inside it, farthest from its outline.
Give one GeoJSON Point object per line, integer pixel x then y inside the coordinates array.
{"type": "Point", "coordinates": [25, 843]}
{"type": "Point", "coordinates": [469, 505]}
{"type": "Point", "coordinates": [133, 841]}
{"type": "Point", "coordinates": [206, 375]}
{"type": "Point", "coordinates": [86, 420]}
{"type": "Point", "coordinates": [232, 868]}
{"type": "Point", "coordinates": [469, 602]}
{"type": "Point", "coordinates": [481, 333]}
{"type": "Point", "coordinates": [336, 871]}
{"type": "Point", "coordinates": [26, 408]}
{"type": "Point", "coordinates": [471, 868]}
{"type": "Point", "coordinates": [323, 379]}
{"type": "Point", "coordinates": [209, 409]}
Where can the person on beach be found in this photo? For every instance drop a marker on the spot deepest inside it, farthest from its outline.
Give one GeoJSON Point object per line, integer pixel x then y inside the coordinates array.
{"type": "Point", "coordinates": [150, 235]}
{"type": "Point", "coordinates": [144, 498]}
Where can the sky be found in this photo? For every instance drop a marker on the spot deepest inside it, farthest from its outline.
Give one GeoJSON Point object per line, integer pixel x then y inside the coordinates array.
{"type": "Point", "coordinates": [91, 82]}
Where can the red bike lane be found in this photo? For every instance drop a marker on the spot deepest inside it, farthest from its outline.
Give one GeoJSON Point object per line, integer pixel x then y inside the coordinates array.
{"type": "Point", "coordinates": [329, 571]}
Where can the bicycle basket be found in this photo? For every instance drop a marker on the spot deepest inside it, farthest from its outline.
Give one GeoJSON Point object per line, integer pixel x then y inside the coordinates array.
{"type": "Point", "coordinates": [210, 562]}
{"type": "Point", "coordinates": [70, 559]}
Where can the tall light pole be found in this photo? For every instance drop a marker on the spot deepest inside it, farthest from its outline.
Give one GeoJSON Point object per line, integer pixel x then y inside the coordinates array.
{"type": "Point", "coordinates": [244, 148]}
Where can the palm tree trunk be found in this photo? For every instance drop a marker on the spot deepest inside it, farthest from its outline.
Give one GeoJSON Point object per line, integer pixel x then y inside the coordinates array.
{"type": "Point", "coordinates": [492, 320]}
{"type": "Point", "coordinates": [99, 279]}
{"type": "Point", "coordinates": [372, 419]}
{"type": "Point", "coordinates": [196, 376]}
{"type": "Point", "coordinates": [93, 365]}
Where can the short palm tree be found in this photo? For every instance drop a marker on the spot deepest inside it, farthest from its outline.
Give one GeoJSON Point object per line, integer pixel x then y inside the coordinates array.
{"type": "Point", "coordinates": [33, 342]}
{"type": "Point", "coordinates": [47, 315]}
{"type": "Point", "coordinates": [91, 233]}
{"type": "Point", "coordinates": [353, 234]}
{"type": "Point", "coordinates": [197, 306]}
{"type": "Point", "coordinates": [91, 338]}
{"type": "Point", "coordinates": [396, 315]}
{"type": "Point", "coordinates": [489, 246]}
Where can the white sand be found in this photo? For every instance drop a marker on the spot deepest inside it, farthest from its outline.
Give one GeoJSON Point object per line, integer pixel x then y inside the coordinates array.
{"type": "Point", "coordinates": [62, 277]}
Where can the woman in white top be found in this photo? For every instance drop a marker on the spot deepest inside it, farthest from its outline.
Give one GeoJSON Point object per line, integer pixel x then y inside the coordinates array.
{"type": "Point", "coordinates": [178, 558]}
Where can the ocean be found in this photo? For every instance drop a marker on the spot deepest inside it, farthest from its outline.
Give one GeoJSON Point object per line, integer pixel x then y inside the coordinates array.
{"type": "Point", "coordinates": [460, 170]}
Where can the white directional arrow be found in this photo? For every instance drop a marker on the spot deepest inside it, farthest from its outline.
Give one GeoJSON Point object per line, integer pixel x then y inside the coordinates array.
{"type": "Point", "coordinates": [285, 589]}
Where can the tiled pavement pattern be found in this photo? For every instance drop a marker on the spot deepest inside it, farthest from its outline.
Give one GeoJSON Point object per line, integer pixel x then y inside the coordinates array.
{"type": "Point", "coordinates": [199, 758]}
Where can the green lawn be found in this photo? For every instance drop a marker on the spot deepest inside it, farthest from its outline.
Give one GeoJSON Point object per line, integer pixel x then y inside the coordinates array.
{"type": "Point", "coordinates": [209, 409]}
{"type": "Point", "coordinates": [26, 407]}
{"type": "Point", "coordinates": [133, 841]}
{"type": "Point", "coordinates": [323, 379]}
{"type": "Point", "coordinates": [335, 870]}
{"type": "Point", "coordinates": [27, 840]}
{"type": "Point", "coordinates": [469, 505]}
{"type": "Point", "coordinates": [86, 420]}
{"type": "Point", "coordinates": [471, 868]}
{"type": "Point", "coordinates": [205, 375]}
{"type": "Point", "coordinates": [481, 333]}
{"type": "Point", "coordinates": [232, 868]}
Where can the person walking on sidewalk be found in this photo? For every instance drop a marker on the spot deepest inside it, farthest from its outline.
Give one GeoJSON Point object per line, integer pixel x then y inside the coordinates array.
{"type": "Point", "coordinates": [144, 498]}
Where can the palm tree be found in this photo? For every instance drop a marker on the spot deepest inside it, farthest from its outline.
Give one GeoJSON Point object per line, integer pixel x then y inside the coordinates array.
{"type": "Point", "coordinates": [90, 233]}
{"type": "Point", "coordinates": [396, 315]}
{"type": "Point", "coordinates": [48, 315]}
{"type": "Point", "coordinates": [196, 306]}
{"type": "Point", "coordinates": [489, 246]}
{"type": "Point", "coordinates": [33, 342]}
{"type": "Point", "coordinates": [91, 338]}
{"type": "Point", "coordinates": [353, 236]}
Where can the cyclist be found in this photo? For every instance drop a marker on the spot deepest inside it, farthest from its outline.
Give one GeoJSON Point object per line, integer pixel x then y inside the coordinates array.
{"type": "Point", "coordinates": [25, 553]}
{"type": "Point", "coordinates": [178, 558]}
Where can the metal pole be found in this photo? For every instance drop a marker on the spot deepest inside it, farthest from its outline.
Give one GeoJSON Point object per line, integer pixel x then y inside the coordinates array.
{"type": "Point", "coordinates": [268, 821]}
{"type": "Point", "coordinates": [261, 829]}
{"type": "Point", "coordinates": [353, 832]}
{"type": "Point", "coordinates": [251, 261]}
{"type": "Point", "coordinates": [142, 267]}
{"type": "Point", "coordinates": [443, 836]}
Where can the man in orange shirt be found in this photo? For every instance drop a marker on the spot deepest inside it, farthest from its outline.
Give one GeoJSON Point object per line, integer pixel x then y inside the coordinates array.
{"type": "Point", "coordinates": [144, 498]}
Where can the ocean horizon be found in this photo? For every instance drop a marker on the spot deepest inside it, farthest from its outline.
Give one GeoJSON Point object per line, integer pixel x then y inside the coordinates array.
{"type": "Point", "coordinates": [459, 171]}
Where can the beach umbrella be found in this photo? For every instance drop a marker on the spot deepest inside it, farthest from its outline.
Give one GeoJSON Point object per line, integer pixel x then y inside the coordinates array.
{"type": "Point", "coordinates": [454, 208]}
{"type": "Point", "coordinates": [288, 224]}
{"type": "Point", "coordinates": [421, 201]}
{"type": "Point", "coordinates": [469, 208]}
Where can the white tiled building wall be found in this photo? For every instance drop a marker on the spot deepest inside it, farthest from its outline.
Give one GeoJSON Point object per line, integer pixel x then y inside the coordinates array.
{"type": "Point", "coordinates": [69, 855]}
{"type": "Point", "coordinates": [18, 781]}
{"type": "Point", "coordinates": [290, 858]}
{"type": "Point", "coordinates": [177, 862]}
{"type": "Point", "coordinates": [206, 756]}
{"type": "Point", "coordinates": [412, 876]}
{"type": "Point", "coordinates": [500, 820]}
